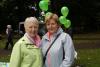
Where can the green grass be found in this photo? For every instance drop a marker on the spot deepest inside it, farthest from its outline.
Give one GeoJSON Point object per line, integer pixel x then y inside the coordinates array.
{"type": "Point", "coordinates": [3, 42]}
{"type": "Point", "coordinates": [79, 41]}
{"type": "Point", "coordinates": [5, 58]}
{"type": "Point", "coordinates": [2, 45]}
{"type": "Point", "coordinates": [87, 36]}
{"type": "Point", "coordinates": [86, 57]}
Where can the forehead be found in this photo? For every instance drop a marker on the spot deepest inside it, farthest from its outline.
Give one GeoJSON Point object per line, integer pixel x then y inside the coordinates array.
{"type": "Point", "coordinates": [51, 21]}
{"type": "Point", "coordinates": [31, 24]}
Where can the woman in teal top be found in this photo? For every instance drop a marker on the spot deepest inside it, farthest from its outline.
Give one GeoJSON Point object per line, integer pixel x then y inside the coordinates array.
{"type": "Point", "coordinates": [26, 52]}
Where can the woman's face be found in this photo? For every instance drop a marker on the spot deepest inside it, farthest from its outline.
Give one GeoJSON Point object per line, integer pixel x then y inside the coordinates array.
{"type": "Point", "coordinates": [32, 29]}
{"type": "Point", "coordinates": [52, 26]}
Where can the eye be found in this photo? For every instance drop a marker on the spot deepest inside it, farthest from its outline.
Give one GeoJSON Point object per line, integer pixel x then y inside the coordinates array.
{"type": "Point", "coordinates": [35, 26]}
{"type": "Point", "coordinates": [47, 24]}
{"type": "Point", "coordinates": [30, 27]}
{"type": "Point", "coordinates": [53, 23]}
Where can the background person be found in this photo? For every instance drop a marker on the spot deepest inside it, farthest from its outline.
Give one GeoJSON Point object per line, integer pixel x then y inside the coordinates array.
{"type": "Point", "coordinates": [9, 33]}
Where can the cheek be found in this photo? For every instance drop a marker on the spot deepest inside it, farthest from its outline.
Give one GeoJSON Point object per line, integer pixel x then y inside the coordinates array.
{"type": "Point", "coordinates": [27, 30]}
{"type": "Point", "coordinates": [54, 27]}
{"type": "Point", "coordinates": [47, 27]}
{"type": "Point", "coordinates": [35, 30]}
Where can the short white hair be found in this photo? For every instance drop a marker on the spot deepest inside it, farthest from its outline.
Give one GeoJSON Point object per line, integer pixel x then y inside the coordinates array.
{"type": "Point", "coordinates": [8, 26]}
{"type": "Point", "coordinates": [31, 19]}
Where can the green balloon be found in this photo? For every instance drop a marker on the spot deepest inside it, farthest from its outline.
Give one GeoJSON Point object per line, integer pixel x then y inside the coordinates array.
{"type": "Point", "coordinates": [67, 24]}
{"type": "Point", "coordinates": [64, 11]}
{"type": "Point", "coordinates": [62, 20]}
{"type": "Point", "coordinates": [46, 0]}
{"type": "Point", "coordinates": [43, 5]}
{"type": "Point", "coordinates": [47, 14]}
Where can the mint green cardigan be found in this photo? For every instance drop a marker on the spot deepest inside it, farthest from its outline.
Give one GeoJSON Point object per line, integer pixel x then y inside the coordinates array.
{"type": "Point", "coordinates": [25, 54]}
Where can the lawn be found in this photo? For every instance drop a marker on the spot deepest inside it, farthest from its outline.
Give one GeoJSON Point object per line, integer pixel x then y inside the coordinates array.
{"type": "Point", "coordinates": [5, 57]}
{"type": "Point", "coordinates": [88, 57]}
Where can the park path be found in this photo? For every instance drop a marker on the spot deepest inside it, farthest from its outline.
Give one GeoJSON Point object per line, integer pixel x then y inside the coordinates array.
{"type": "Point", "coordinates": [4, 52]}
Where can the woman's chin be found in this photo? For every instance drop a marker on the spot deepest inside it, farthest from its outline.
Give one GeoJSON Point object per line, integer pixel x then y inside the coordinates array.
{"type": "Point", "coordinates": [32, 36]}
{"type": "Point", "coordinates": [51, 32]}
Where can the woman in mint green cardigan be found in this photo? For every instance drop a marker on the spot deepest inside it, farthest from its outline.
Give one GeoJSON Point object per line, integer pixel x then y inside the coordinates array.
{"type": "Point", "coordinates": [26, 52]}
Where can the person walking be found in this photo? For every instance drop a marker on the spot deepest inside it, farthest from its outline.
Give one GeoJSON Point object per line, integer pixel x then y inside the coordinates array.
{"type": "Point", "coordinates": [9, 33]}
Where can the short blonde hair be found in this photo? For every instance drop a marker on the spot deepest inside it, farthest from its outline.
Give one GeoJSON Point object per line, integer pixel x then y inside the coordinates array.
{"type": "Point", "coordinates": [31, 19]}
{"type": "Point", "coordinates": [51, 16]}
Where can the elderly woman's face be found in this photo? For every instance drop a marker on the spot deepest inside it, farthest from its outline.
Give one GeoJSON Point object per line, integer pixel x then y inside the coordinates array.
{"type": "Point", "coordinates": [31, 29]}
{"type": "Point", "coordinates": [52, 26]}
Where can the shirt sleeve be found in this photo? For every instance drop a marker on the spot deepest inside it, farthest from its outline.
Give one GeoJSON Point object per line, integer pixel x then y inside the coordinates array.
{"type": "Point", "coordinates": [6, 31]}
{"type": "Point", "coordinates": [69, 52]}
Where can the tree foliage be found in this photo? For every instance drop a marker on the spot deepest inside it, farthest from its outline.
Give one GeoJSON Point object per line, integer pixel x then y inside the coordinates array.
{"type": "Point", "coordinates": [84, 14]}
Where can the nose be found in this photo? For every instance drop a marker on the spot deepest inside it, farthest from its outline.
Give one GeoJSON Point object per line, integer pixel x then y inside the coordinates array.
{"type": "Point", "coordinates": [50, 26]}
{"type": "Point", "coordinates": [33, 29]}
